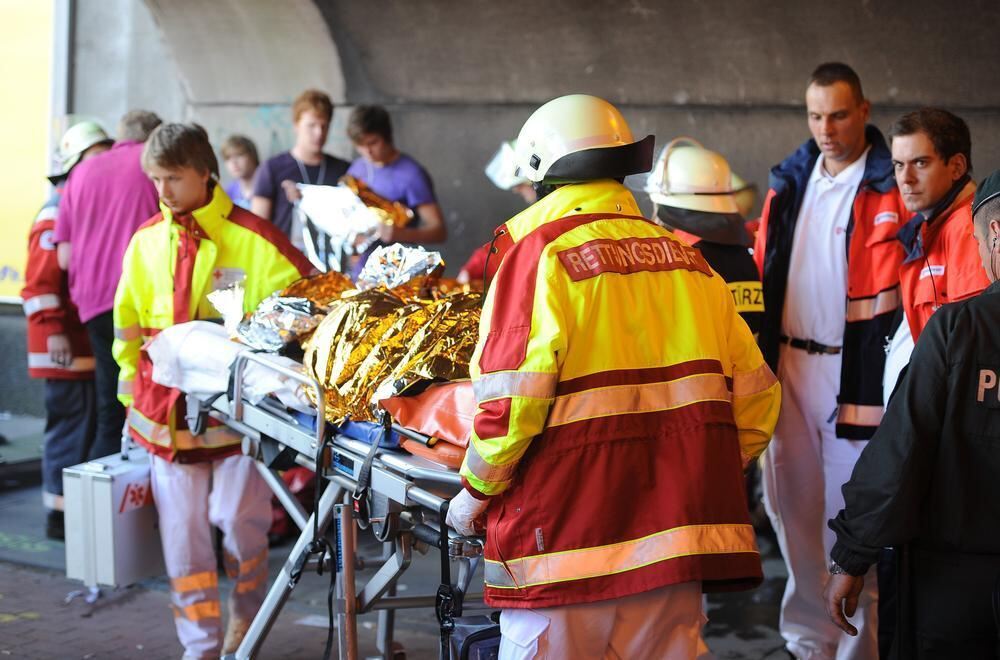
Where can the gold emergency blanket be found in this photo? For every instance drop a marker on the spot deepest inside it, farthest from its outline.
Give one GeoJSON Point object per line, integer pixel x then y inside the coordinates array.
{"type": "Point", "coordinates": [321, 290]}
{"type": "Point", "coordinates": [390, 213]}
{"type": "Point", "coordinates": [375, 344]}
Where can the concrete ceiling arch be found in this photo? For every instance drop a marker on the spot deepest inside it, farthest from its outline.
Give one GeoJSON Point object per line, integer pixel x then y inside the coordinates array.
{"type": "Point", "coordinates": [241, 63]}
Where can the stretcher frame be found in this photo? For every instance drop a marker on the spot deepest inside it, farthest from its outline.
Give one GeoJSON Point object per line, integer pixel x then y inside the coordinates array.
{"type": "Point", "coordinates": [419, 488]}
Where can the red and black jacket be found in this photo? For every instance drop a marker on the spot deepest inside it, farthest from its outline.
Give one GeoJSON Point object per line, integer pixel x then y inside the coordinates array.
{"type": "Point", "coordinates": [873, 259]}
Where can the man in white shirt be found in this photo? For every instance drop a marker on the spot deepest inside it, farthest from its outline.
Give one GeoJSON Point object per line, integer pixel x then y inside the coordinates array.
{"type": "Point", "coordinates": [827, 258]}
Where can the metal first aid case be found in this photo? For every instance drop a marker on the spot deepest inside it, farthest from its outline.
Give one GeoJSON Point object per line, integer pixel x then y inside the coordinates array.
{"type": "Point", "coordinates": [112, 536]}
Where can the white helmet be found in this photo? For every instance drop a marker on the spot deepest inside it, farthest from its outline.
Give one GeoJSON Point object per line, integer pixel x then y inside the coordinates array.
{"type": "Point", "coordinates": [689, 176]}
{"type": "Point", "coordinates": [579, 138]}
{"type": "Point", "coordinates": [502, 169]}
{"type": "Point", "coordinates": [76, 140]}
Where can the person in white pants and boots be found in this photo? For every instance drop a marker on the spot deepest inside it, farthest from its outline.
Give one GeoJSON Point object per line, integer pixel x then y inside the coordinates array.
{"type": "Point", "coordinates": [829, 262]}
{"type": "Point", "coordinates": [199, 242]}
{"type": "Point", "coordinates": [231, 495]}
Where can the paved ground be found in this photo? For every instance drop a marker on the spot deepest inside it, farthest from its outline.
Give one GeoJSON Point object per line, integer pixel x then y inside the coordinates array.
{"type": "Point", "coordinates": [37, 622]}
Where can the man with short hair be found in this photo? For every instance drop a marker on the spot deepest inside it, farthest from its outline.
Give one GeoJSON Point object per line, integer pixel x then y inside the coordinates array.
{"type": "Point", "coordinates": [395, 176]}
{"type": "Point", "coordinates": [199, 242]}
{"type": "Point", "coordinates": [829, 262]}
{"type": "Point", "coordinates": [927, 483]}
{"type": "Point", "coordinates": [932, 158]}
{"type": "Point", "coordinates": [105, 200]}
{"type": "Point", "coordinates": [274, 191]}
{"type": "Point", "coordinates": [58, 347]}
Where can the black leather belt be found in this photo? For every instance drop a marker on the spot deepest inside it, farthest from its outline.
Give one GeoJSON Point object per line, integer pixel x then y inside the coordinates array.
{"type": "Point", "coordinates": [810, 346]}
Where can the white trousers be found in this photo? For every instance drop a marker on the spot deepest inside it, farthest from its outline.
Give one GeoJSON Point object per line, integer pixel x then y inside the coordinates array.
{"type": "Point", "coordinates": [190, 498]}
{"type": "Point", "coordinates": [663, 623]}
{"type": "Point", "coordinates": [804, 468]}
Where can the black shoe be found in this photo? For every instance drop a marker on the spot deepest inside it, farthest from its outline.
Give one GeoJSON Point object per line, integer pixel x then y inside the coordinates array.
{"type": "Point", "coordinates": [55, 526]}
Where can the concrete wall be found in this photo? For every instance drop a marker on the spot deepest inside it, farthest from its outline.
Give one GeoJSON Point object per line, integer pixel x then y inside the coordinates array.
{"type": "Point", "coordinates": [460, 77]}
{"type": "Point", "coordinates": [730, 74]}
{"type": "Point", "coordinates": [121, 62]}
{"type": "Point", "coordinates": [234, 66]}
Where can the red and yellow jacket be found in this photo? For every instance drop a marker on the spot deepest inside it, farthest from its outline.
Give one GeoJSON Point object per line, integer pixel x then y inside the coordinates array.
{"type": "Point", "coordinates": [619, 396]}
{"type": "Point", "coordinates": [948, 268]}
{"type": "Point", "coordinates": [170, 267]}
{"type": "Point", "coordinates": [48, 307]}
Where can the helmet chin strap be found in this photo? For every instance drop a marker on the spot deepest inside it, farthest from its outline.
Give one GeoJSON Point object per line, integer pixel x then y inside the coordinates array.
{"type": "Point", "coordinates": [542, 189]}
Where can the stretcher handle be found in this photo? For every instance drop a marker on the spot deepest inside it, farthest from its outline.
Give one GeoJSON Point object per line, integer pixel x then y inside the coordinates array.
{"type": "Point", "coordinates": [239, 366]}
{"type": "Point", "coordinates": [413, 435]}
{"type": "Point", "coordinates": [428, 535]}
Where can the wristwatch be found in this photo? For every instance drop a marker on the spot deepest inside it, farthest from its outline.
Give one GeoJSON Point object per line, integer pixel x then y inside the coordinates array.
{"type": "Point", "coordinates": [837, 569]}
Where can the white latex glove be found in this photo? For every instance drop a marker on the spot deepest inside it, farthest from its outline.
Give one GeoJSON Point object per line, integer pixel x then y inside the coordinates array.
{"type": "Point", "coordinates": [464, 511]}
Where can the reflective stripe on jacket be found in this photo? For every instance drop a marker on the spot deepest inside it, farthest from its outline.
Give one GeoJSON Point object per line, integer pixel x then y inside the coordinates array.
{"type": "Point", "coordinates": [169, 268]}
{"type": "Point", "coordinates": [47, 305]}
{"type": "Point", "coordinates": [619, 396]}
{"type": "Point", "coordinates": [873, 259]}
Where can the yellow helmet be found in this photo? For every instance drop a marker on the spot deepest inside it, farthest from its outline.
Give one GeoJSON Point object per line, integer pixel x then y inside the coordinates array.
{"type": "Point", "coordinates": [689, 176]}
{"type": "Point", "coordinates": [76, 140]}
{"type": "Point", "coordinates": [579, 138]}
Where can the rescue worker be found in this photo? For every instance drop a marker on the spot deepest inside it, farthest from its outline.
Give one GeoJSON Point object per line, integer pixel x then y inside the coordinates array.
{"type": "Point", "coordinates": [619, 398]}
{"type": "Point", "coordinates": [199, 242]}
{"type": "Point", "coordinates": [928, 479]}
{"type": "Point", "coordinates": [502, 170]}
{"type": "Point", "coordinates": [58, 347]}
{"type": "Point", "coordinates": [932, 157]}
{"type": "Point", "coordinates": [692, 192]}
{"type": "Point", "coordinates": [829, 266]}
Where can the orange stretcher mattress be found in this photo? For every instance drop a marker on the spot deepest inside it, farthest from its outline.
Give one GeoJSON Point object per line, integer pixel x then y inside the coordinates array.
{"type": "Point", "coordinates": [445, 412]}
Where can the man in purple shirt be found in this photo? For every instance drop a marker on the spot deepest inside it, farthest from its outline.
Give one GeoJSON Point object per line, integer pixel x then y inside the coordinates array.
{"type": "Point", "coordinates": [394, 176]}
{"type": "Point", "coordinates": [274, 191]}
{"type": "Point", "coordinates": [105, 200]}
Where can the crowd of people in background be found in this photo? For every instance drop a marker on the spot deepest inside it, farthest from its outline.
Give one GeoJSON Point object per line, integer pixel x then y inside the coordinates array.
{"type": "Point", "coordinates": [859, 242]}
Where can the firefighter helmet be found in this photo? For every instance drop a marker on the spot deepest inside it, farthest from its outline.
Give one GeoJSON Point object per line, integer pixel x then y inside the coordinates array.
{"type": "Point", "coordinates": [75, 141]}
{"type": "Point", "coordinates": [689, 176]}
{"type": "Point", "coordinates": [579, 138]}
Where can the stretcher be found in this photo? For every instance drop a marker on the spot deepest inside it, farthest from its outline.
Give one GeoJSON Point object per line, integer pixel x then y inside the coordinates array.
{"type": "Point", "coordinates": [402, 498]}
